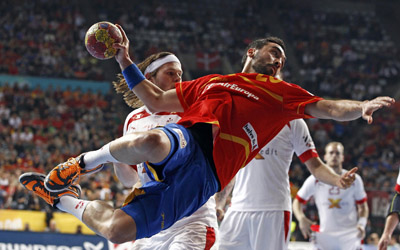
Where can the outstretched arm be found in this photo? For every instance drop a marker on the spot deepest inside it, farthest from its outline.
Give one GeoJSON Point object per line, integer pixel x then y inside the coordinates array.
{"type": "Point", "coordinates": [347, 110]}
{"type": "Point", "coordinates": [325, 174]}
{"type": "Point", "coordinates": [150, 94]}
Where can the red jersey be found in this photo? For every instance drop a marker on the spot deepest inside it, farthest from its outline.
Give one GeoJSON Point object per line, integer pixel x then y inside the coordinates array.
{"type": "Point", "coordinates": [249, 109]}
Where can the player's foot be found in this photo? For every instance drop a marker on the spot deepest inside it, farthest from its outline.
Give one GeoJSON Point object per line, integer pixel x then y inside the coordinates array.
{"type": "Point", "coordinates": [67, 173]}
{"type": "Point", "coordinates": [63, 175]}
{"type": "Point", "coordinates": [35, 182]}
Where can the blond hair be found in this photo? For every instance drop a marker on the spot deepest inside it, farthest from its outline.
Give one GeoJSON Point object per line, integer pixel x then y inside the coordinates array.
{"type": "Point", "coordinates": [121, 87]}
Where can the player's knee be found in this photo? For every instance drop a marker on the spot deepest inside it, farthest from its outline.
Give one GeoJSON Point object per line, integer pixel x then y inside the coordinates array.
{"type": "Point", "coordinates": [151, 142]}
{"type": "Point", "coordinates": [117, 235]}
{"type": "Point", "coordinates": [121, 228]}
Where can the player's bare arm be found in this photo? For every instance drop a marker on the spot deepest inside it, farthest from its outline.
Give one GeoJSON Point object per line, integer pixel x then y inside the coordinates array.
{"type": "Point", "coordinates": [347, 110]}
{"type": "Point", "coordinates": [220, 199]}
{"type": "Point", "coordinates": [391, 222]}
{"type": "Point", "coordinates": [304, 222]}
{"type": "Point", "coordinates": [150, 94]}
{"type": "Point", "coordinates": [363, 211]}
{"type": "Point", "coordinates": [325, 174]}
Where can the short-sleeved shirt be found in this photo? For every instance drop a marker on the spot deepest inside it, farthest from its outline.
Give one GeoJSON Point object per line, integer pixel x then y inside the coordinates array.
{"type": "Point", "coordinates": [249, 109]}
{"type": "Point", "coordinates": [337, 208]}
{"type": "Point", "coordinates": [268, 171]}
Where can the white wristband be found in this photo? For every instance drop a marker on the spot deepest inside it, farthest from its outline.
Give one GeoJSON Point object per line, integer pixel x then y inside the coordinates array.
{"type": "Point", "coordinates": [362, 221]}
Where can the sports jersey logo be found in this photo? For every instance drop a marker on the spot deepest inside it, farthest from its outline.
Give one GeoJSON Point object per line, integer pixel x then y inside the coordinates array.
{"type": "Point", "coordinates": [251, 133]}
{"type": "Point", "coordinates": [234, 87]}
{"type": "Point", "coordinates": [259, 157]}
{"type": "Point", "coordinates": [335, 203]}
{"type": "Point", "coordinates": [182, 140]}
{"type": "Point", "coordinates": [308, 141]}
{"type": "Point", "coordinates": [162, 220]}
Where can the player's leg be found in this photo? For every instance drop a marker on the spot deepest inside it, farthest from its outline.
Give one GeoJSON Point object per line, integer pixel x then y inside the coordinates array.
{"type": "Point", "coordinates": [152, 146]}
{"type": "Point", "coordinates": [113, 224]}
{"type": "Point", "coordinates": [195, 236]}
{"type": "Point", "coordinates": [233, 232]}
{"type": "Point", "coordinates": [269, 228]}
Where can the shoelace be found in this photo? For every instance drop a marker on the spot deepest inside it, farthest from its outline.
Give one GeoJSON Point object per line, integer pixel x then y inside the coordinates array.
{"type": "Point", "coordinates": [68, 170]}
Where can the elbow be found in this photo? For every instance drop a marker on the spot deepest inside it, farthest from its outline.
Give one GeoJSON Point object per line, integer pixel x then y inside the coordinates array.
{"type": "Point", "coordinates": [156, 105]}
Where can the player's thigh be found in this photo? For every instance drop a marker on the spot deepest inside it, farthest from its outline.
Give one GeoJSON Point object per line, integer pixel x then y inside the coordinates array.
{"type": "Point", "coordinates": [269, 229]}
{"type": "Point", "coordinates": [233, 232]}
{"type": "Point", "coordinates": [193, 236]}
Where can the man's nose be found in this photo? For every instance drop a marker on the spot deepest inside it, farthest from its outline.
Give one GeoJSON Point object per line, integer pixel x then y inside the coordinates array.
{"type": "Point", "coordinates": [278, 63]}
{"type": "Point", "coordinates": [177, 78]}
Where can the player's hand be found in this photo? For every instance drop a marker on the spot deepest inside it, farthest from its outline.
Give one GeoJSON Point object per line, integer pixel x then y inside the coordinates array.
{"type": "Point", "coordinates": [347, 179]}
{"type": "Point", "coordinates": [305, 226]}
{"type": "Point", "coordinates": [361, 232]}
{"type": "Point", "coordinates": [369, 107]}
{"type": "Point", "coordinates": [220, 214]}
{"type": "Point", "coordinates": [122, 55]}
{"type": "Point", "coordinates": [384, 242]}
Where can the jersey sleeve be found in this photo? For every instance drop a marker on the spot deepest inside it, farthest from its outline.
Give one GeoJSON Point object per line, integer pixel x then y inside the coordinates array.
{"type": "Point", "coordinates": [302, 141]}
{"type": "Point", "coordinates": [360, 195]}
{"type": "Point", "coordinates": [307, 190]}
{"type": "Point", "coordinates": [296, 99]}
{"type": "Point", "coordinates": [397, 187]}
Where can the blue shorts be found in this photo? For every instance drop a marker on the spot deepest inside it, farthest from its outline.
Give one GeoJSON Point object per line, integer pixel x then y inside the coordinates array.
{"type": "Point", "coordinates": [184, 183]}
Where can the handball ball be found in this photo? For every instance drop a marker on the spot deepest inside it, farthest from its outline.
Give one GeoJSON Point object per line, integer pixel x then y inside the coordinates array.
{"type": "Point", "coordinates": [99, 40]}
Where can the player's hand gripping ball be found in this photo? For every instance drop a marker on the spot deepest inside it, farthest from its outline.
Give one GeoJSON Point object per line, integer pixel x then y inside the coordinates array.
{"type": "Point", "coordinates": [99, 40]}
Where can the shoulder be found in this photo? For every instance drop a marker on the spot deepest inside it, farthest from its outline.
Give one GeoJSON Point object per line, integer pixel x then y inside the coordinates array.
{"type": "Point", "coordinates": [136, 111]}
{"type": "Point", "coordinates": [311, 180]}
{"type": "Point", "coordinates": [135, 116]}
{"type": "Point", "coordinates": [298, 124]}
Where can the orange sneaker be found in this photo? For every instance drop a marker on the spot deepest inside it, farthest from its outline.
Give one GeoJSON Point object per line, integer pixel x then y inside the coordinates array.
{"type": "Point", "coordinates": [67, 173]}
{"type": "Point", "coordinates": [35, 182]}
{"type": "Point", "coordinates": [63, 175]}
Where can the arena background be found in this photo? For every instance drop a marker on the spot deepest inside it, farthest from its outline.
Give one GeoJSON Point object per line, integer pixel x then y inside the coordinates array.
{"type": "Point", "coordinates": [56, 100]}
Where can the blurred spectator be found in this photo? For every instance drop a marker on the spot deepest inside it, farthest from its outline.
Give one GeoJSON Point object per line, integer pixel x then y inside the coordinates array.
{"type": "Point", "coordinates": [52, 227]}
{"type": "Point", "coordinates": [373, 239]}
{"type": "Point", "coordinates": [78, 229]}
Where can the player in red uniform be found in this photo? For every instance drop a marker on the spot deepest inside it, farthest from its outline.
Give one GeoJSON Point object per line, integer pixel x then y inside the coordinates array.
{"type": "Point", "coordinates": [226, 121]}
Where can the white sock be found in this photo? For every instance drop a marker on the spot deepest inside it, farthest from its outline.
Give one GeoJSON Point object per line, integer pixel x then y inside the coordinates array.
{"type": "Point", "coordinates": [72, 205]}
{"type": "Point", "coordinates": [103, 155]}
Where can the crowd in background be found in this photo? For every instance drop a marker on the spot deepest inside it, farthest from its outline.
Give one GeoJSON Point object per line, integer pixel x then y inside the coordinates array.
{"type": "Point", "coordinates": [42, 127]}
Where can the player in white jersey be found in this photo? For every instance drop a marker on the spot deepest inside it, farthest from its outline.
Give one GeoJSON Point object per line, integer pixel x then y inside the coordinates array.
{"type": "Point", "coordinates": [260, 212]}
{"type": "Point", "coordinates": [197, 231]}
{"type": "Point", "coordinates": [392, 219]}
{"type": "Point", "coordinates": [342, 213]}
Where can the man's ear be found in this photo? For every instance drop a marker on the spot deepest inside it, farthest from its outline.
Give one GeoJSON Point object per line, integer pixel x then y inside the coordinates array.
{"type": "Point", "coordinates": [251, 52]}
